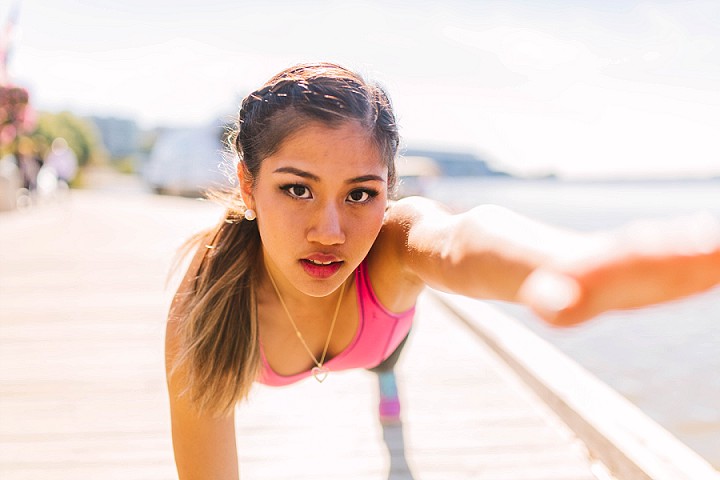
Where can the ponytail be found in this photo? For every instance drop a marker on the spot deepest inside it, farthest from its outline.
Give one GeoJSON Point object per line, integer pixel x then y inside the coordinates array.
{"type": "Point", "coordinates": [220, 343]}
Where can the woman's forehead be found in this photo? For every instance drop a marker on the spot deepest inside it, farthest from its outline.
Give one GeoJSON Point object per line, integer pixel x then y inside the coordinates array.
{"type": "Point", "coordinates": [347, 150]}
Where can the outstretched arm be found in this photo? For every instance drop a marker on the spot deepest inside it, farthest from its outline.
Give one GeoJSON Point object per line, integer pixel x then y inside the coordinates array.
{"type": "Point", "coordinates": [565, 277]}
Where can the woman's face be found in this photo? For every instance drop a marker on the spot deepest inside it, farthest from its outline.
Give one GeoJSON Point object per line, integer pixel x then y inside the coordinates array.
{"type": "Point", "coordinates": [320, 201]}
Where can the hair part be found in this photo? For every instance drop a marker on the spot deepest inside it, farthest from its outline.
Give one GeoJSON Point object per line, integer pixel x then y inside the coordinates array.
{"type": "Point", "coordinates": [220, 346]}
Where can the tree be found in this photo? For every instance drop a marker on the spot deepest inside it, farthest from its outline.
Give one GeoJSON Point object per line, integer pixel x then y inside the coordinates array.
{"type": "Point", "coordinates": [80, 134]}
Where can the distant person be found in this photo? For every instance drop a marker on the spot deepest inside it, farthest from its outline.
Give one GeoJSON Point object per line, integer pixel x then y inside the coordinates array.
{"type": "Point", "coordinates": [313, 269]}
{"type": "Point", "coordinates": [28, 161]}
{"type": "Point", "coordinates": [62, 160]}
{"type": "Point", "coordinates": [11, 182]}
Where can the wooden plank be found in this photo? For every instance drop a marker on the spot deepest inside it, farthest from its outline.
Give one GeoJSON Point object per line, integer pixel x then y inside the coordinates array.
{"type": "Point", "coordinates": [82, 393]}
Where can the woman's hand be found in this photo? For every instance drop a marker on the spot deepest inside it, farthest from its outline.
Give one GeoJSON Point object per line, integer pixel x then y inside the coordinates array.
{"type": "Point", "coordinates": [643, 264]}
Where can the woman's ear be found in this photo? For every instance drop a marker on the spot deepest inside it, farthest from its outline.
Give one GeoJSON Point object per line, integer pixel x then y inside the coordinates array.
{"type": "Point", "coordinates": [246, 185]}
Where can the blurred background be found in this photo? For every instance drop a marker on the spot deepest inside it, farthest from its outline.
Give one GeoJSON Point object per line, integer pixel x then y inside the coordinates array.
{"type": "Point", "coordinates": [591, 89]}
{"type": "Point", "coordinates": [583, 114]}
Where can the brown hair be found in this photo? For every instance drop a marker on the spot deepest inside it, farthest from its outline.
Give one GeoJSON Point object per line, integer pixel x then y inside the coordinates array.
{"type": "Point", "coordinates": [219, 331]}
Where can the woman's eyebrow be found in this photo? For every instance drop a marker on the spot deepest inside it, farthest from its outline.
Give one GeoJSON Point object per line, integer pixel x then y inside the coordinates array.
{"type": "Point", "coordinates": [298, 172]}
{"type": "Point", "coordinates": [315, 178]}
{"type": "Point", "coordinates": [365, 178]}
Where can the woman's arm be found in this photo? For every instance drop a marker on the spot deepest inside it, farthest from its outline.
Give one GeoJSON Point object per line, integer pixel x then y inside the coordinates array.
{"type": "Point", "coordinates": [566, 277]}
{"type": "Point", "coordinates": [204, 444]}
{"type": "Point", "coordinates": [486, 252]}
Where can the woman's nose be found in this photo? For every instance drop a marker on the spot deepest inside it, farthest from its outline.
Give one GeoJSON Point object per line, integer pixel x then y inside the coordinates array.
{"type": "Point", "coordinates": [326, 228]}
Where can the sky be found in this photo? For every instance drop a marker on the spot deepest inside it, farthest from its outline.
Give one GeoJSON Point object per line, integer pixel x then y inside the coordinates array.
{"type": "Point", "coordinates": [582, 89]}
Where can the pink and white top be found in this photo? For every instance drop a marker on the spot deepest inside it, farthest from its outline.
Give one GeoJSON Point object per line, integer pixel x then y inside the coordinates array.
{"type": "Point", "coordinates": [378, 334]}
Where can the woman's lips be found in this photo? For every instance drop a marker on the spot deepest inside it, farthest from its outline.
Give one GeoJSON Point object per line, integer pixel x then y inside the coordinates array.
{"type": "Point", "coordinates": [320, 268]}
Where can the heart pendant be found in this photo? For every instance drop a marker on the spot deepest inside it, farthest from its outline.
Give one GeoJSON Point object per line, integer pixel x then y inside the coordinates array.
{"type": "Point", "coordinates": [320, 373]}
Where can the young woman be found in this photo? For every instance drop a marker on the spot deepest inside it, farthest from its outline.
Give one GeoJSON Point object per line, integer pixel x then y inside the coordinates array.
{"type": "Point", "coordinates": [313, 269]}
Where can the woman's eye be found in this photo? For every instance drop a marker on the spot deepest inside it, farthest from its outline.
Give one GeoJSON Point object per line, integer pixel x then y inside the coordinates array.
{"type": "Point", "coordinates": [360, 196]}
{"type": "Point", "coordinates": [297, 191]}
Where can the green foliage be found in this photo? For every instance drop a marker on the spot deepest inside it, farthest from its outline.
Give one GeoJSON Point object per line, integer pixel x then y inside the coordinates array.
{"type": "Point", "coordinates": [81, 135]}
{"type": "Point", "coordinates": [125, 165]}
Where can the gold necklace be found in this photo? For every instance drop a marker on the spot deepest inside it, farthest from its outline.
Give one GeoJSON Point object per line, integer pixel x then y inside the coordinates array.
{"type": "Point", "coordinates": [319, 371]}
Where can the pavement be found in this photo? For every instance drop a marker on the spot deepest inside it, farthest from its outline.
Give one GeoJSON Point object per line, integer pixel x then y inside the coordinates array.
{"type": "Point", "coordinates": [83, 299]}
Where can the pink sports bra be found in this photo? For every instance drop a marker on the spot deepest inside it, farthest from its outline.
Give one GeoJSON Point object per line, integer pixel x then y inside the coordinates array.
{"type": "Point", "coordinates": [378, 334]}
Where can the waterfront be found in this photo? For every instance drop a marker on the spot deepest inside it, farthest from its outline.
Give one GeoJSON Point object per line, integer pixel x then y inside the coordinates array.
{"type": "Point", "coordinates": [664, 359]}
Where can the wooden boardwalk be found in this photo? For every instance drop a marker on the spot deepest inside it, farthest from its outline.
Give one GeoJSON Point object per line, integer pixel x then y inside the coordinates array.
{"type": "Point", "coordinates": [82, 391]}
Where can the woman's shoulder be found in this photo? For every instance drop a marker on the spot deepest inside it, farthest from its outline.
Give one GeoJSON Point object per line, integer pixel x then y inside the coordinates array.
{"type": "Point", "coordinates": [407, 219]}
{"type": "Point", "coordinates": [400, 215]}
{"type": "Point", "coordinates": [389, 260]}
{"type": "Point", "coordinates": [408, 210]}
{"type": "Point", "coordinates": [416, 214]}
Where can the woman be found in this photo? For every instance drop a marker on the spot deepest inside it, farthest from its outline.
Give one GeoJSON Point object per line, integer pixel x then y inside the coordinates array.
{"type": "Point", "coordinates": [314, 270]}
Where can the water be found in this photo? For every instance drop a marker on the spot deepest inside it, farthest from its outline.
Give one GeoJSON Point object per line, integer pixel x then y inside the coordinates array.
{"type": "Point", "coordinates": [664, 359]}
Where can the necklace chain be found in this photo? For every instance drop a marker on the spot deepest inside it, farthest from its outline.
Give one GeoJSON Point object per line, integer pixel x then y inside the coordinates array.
{"type": "Point", "coordinates": [320, 363]}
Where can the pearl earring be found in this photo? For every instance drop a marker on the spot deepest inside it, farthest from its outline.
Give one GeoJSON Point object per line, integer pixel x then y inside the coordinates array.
{"type": "Point", "coordinates": [250, 214]}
